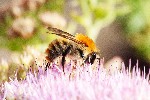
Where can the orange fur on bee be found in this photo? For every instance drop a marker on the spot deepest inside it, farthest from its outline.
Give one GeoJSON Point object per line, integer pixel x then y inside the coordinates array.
{"type": "Point", "coordinates": [86, 40]}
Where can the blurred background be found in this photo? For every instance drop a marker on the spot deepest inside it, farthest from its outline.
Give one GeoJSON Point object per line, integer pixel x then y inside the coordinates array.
{"type": "Point", "coordinates": [120, 28]}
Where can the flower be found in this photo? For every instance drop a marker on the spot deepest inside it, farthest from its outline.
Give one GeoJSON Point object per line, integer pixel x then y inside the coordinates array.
{"type": "Point", "coordinates": [87, 85]}
{"type": "Point", "coordinates": [34, 4]}
{"type": "Point", "coordinates": [24, 27]}
{"type": "Point", "coordinates": [53, 19]}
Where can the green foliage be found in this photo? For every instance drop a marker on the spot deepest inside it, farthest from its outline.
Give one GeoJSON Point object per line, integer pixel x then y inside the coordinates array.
{"type": "Point", "coordinates": [137, 26]}
{"type": "Point", "coordinates": [97, 14]}
{"type": "Point", "coordinates": [18, 61]}
{"type": "Point", "coordinates": [39, 35]}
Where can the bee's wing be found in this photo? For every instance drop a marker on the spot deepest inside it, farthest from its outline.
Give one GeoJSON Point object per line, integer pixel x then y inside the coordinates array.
{"type": "Point", "coordinates": [60, 32]}
{"type": "Point", "coordinates": [64, 35]}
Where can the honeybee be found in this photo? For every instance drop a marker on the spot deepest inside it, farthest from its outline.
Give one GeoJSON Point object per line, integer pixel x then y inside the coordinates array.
{"type": "Point", "coordinates": [75, 46]}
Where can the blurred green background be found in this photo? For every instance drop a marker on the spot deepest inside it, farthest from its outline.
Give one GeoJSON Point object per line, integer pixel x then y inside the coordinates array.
{"type": "Point", "coordinates": [119, 28]}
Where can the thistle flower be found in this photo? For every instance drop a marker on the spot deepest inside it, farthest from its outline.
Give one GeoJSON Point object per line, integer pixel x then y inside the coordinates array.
{"type": "Point", "coordinates": [17, 11]}
{"type": "Point", "coordinates": [113, 65]}
{"type": "Point", "coordinates": [34, 4]}
{"type": "Point", "coordinates": [52, 19]}
{"type": "Point", "coordinates": [87, 85]}
{"type": "Point", "coordinates": [24, 27]}
{"type": "Point", "coordinates": [3, 69]}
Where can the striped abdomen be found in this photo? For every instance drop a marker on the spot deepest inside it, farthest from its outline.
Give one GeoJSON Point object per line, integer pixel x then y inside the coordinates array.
{"type": "Point", "coordinates": [55, 49]}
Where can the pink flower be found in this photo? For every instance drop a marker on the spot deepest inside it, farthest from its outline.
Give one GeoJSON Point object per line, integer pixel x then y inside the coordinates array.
{"type": "Point", "coordinates": [86, 85]}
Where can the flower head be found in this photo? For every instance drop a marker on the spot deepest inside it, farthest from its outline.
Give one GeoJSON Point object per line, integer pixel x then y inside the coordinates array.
{"type": "Point", "coordinates": [86, 85]}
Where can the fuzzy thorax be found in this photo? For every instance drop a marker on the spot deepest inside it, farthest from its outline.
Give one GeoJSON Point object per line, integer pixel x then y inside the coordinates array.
{"type": "Point", "coordinates": [91, 46]}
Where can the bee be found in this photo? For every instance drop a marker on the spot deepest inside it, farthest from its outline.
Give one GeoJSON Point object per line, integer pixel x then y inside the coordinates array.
{"type": "Point", "coordinates": [75, 46]}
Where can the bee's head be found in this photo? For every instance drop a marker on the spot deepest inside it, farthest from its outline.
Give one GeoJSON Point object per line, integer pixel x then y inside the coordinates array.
{"type": "Point", "coordinates": [92, 57]}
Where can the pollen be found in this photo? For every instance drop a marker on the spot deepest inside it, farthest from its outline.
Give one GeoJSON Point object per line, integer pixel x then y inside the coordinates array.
{"type": "Point", "coordinates": [86, 40]}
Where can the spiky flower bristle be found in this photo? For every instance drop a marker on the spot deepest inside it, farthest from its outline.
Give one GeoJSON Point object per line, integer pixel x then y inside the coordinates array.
{"type": "Point", "coordinates": [85, 84]}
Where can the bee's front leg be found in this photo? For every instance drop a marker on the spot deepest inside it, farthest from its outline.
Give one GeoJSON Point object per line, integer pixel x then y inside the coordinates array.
{"type": "Point", "coordinates": [64, 56]}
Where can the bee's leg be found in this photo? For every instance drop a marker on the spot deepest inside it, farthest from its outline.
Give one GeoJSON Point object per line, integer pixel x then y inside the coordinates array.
{"type": "Point", "coordinates": [64, 55]}
{"type": "Point", "coordinates": [63, 62]}
{"type": "Point", "coordinates": [47, 66]}
{"type": "Point", "coordinates": [92, 58]}
{"type": "Point", "coordinates": [81, 53]}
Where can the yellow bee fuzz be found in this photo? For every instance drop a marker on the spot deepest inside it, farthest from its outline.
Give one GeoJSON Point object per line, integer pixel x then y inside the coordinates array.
{"type": "Point", "coordinates": [86, 40]}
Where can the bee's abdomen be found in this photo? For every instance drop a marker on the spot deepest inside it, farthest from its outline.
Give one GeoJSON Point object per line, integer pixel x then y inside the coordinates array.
{"type": "Point", "coordinates": [56, 49]}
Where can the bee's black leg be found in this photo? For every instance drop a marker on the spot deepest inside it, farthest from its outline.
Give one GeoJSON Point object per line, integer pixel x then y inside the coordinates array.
{"type": "Point", "coordinates": [64, 55]}
{"type": "Point", "coordinates": [63, 62]}
{"type": "Point", "coordinates": [47, 66]}
{"type": "Point", "coordinates": [81, 53]}
{"type": "Point", "coordinates": [93, 57]}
